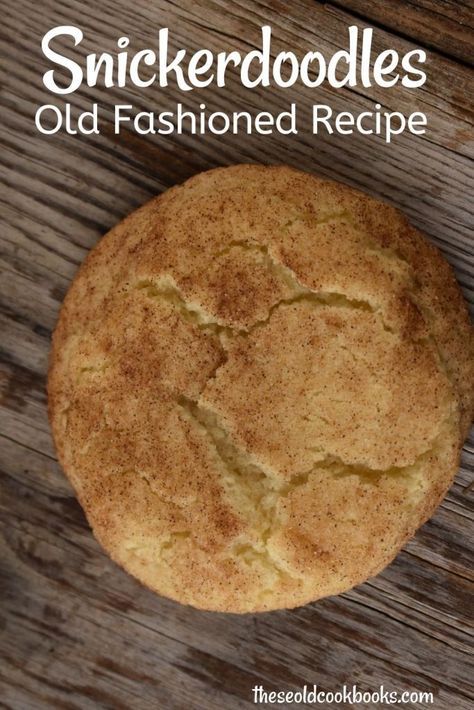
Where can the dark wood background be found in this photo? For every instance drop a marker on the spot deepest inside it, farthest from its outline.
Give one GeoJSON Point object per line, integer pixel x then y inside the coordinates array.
{"type": "Point", "coordinates": [75, 630]}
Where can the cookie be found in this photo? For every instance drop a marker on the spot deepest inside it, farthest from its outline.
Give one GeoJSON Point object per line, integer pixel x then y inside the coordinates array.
{"type": "Point", "coordinates": [260, 383]}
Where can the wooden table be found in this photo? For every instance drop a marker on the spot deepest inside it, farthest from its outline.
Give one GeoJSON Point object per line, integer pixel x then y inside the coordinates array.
{"type": "Point", "coordinates": [76, 631]}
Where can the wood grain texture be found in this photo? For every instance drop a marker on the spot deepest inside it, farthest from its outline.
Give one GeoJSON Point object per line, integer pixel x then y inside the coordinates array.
{"type": "Point", "coordinates": [446, 26]}
{"type": "Point", "coordinates": [76, 631]}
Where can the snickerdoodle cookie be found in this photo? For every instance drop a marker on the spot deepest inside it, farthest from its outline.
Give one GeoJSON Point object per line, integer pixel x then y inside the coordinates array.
{"type": "Point", "coordinates": [260, 384]}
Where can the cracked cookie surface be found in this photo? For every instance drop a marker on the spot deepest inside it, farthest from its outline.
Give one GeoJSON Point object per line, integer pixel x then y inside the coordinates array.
{"type": "Point", "coordinates": [260, 384]}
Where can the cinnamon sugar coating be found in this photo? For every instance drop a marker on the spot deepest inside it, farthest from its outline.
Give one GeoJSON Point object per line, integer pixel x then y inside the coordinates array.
{"type": "Point", "coordinates": [260, 383]}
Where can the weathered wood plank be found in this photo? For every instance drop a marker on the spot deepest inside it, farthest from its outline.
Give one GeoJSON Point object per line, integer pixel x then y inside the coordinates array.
{"type": "Point", "coordinates": [447, 27]}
